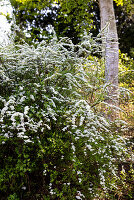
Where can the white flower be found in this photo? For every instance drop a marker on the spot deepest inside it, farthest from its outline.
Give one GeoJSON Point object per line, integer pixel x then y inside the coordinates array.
{"type": "Point", "coordinates": [21, 134]}
{"type": "Point", "coordinates": [4, 110]}
{"type": "Point", "coordinates": [32, 97]}
{"type": "Point", "coordinates": [28, 140]}
{"type": "Point", "coordinates": [12, 107]}
{"type": "Point", "coordinates": [26, 109]}
{"type": "Point", "coordinates": [81, 120]}
{"type": "Point", "coordinates": [79, 179]}
{"type": "Point", "coordinates": [73, 147]}
{"type": "Point", "coordinates": [78, 197]}
{"type": "Point", "coordinates": [44, 172]}
{"type": "Point", "coordinates": [89, 147]}
{"type": "Point", "coordinates": [65, 128]}
{"type": "Point", "coordinates": [21, 117]}
{"type": "Point", "coordinates": [24, 188]}
{"type": "Point", "coordinates": [22, 99]}
{"type": "Point", "coordinates": [79, 172]}
{"type": "Point", "coordinates": [21, 87]}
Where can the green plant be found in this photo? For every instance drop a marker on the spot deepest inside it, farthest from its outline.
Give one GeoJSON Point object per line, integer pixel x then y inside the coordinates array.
{"type": "Point", "coordinates": [53, 143]}
{"type": "Point", "coordinates": [13, 197]}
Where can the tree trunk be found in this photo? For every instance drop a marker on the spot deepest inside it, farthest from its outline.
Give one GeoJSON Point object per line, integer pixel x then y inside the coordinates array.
{"type": "Point", "coordinates": [110, 52]}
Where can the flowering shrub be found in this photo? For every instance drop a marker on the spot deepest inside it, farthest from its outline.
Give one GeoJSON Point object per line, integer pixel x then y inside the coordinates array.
{"type": "Point", "coordinates": [53, 144]}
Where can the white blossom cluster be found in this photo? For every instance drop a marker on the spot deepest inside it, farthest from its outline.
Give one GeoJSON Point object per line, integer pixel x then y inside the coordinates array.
{"type": "Point", "coordinates": [37, 79]}
{"type": "Point", "coordinates": [39, 85]}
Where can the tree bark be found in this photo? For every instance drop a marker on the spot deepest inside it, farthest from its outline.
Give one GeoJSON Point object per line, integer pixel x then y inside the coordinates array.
{"type": "Point", "coordinates": [110, 52]}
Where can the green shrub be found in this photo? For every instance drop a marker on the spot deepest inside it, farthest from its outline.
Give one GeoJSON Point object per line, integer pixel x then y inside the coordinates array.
{"type": "Point", "coordinates": [53, 145]}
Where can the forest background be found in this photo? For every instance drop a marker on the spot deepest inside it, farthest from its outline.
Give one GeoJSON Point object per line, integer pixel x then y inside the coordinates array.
{"type": "Point", "coordinates": [54, 128]}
